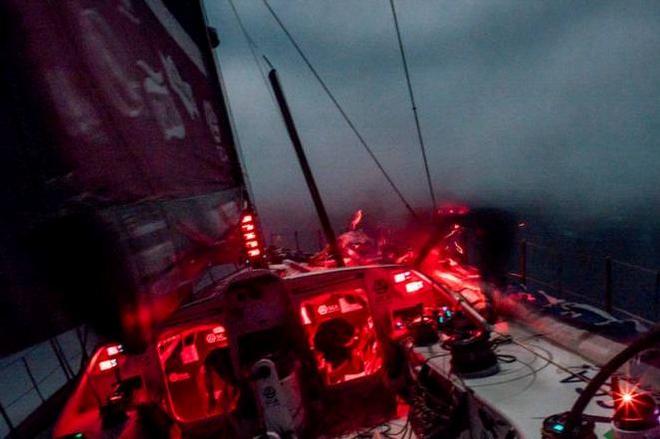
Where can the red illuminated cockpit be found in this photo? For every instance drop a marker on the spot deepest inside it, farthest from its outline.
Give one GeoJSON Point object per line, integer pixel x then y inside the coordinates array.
{"type": "Point", "coordinates": [447, 262]}
{"type": "Point", "coordinates": [199, 378]}
{"type": "Point", "coordinates": [455, 276]}
{"type": "Point", "coordinates": [341, 333]}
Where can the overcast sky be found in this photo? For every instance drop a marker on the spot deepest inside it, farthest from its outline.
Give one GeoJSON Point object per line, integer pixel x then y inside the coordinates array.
{"type": "Point", "coordinates": [521, 102]}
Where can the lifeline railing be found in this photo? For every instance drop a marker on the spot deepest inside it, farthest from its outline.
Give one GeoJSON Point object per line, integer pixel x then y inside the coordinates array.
{"type": "Point", "coordinates": [618, 287]}
{"type": "Point", "coordinates": [29, 378]}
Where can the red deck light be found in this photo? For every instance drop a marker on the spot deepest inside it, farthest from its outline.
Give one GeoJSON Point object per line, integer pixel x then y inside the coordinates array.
{"type": "Point", "coordinates": [634, 408]}
{"type": "Point", "coordinates": [402, 277]}
{"type": "Point", "coordinates": [413, 287]}
{"type": "Point", "coordinates": [107, 365]}
{"type": "Point", "coordinates": [251, 239]}
{"type": "Point", "coordinates": [408, 282]}
{"type": "Point", "coordinates": [114, 350]}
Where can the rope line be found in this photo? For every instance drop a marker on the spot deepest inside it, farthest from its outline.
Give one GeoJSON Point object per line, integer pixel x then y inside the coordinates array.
{"type": "Point", "coordinates": [341, 110]}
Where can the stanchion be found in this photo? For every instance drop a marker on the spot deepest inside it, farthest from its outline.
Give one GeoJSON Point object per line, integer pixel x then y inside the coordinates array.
{"type": "Point", "coordinates": [608, 284]}
{"type": "Point", "coordinates": [523, 261]}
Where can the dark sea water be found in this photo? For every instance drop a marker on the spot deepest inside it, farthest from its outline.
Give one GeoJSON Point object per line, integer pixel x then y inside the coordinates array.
{"type": "Point", "coordinates": [571, 257]}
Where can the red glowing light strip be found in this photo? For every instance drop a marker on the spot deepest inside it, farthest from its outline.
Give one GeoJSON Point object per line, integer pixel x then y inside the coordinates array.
{"type": "Point", "coordinates": [402, 277]}
{"type": "Point", "coordinates": [413, 287]}
{"type": "Point", "coordinates": [107, 364]}
{"type": "Point", "coordinates": [251, 241]}
{"type": "Point", "coordinates": [114, 350]}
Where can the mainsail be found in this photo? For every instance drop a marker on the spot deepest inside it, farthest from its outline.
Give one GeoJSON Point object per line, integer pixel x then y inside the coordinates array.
{"type": "Point", "coordinates": [120, 142]}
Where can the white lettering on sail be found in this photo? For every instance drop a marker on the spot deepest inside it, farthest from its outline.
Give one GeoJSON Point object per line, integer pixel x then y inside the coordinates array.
{"type": "Point", "coordinates": [161, 103]}
{"type": "Point", "coordinates": [106, 57]}
{"type": "Point", "coordinates": [180, 87]}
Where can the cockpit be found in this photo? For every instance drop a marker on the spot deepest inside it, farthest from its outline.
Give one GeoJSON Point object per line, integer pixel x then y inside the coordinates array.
{"type": "Point", "coordinates": [320, 353]}
{"type": "Point", "coordinates": [331, 328]}
{"type": "Point", "coordinates": [199, 378]}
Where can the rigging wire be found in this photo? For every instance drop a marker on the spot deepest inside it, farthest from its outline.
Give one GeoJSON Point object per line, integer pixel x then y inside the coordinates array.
{"type": "Point", "coordinates": [414, 106]}
{"type": "Point", "coordinates": [341, 110]}
{"type": "Point", "coordinates": [253, 46]}
{"type": "Point", "coordinates": [547, 358]}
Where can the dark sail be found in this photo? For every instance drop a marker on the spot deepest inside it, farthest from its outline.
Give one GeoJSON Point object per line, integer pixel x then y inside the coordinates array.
{"type": "Point", "coordinates": [121, 179]}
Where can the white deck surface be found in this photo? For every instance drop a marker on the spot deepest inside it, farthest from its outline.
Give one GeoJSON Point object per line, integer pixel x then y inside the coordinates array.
{"type": "Point", "coordinates": [527, 390]}
{"type": "Point", "coordinates": [531, 388]}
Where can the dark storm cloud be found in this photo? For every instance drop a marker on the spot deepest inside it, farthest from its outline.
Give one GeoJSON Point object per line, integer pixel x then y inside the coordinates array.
{"type": "Point", "coordinates": [554, 104]}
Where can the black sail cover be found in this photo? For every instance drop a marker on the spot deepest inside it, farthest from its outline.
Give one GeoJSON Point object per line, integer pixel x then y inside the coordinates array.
{"type": "Point", "coordinates": [120, 180]}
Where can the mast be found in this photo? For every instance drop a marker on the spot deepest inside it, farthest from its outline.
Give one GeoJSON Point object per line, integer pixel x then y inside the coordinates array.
{"type": "Point", "coordinates": [306, 169]}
